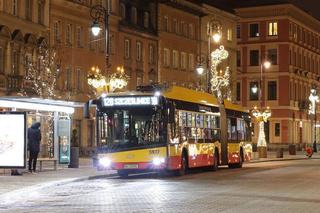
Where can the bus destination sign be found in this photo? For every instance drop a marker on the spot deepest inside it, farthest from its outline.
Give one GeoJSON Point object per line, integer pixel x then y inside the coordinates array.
{"type": "Point", "coordinates": [128, 101]}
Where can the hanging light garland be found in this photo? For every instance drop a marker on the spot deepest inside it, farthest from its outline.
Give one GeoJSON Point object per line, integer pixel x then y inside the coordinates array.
{"type": "Point", "coordinates": [118, 80]}
{"type": "Point", "coordinates": [96, 79]}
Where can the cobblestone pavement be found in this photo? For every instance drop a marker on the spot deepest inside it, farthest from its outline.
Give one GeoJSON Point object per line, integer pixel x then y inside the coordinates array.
{"type": "Point", "coordinates": [286, 186]}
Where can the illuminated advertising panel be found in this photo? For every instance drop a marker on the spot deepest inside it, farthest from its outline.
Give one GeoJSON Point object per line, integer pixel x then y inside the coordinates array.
{"type": "Point", "coordinates": [130, 101]}
{"type": "Point", "coordinates": [12, 140]}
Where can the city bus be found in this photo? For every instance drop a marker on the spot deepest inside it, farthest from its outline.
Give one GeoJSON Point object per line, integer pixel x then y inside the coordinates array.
{"type": "Point", "coordinates": [169, 129]}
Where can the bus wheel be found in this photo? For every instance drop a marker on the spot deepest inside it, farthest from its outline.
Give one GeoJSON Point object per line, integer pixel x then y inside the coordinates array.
{"type": "Point", "coordinates": [122, 173]}
{"type": "Point", "coordinates": [184, 164]}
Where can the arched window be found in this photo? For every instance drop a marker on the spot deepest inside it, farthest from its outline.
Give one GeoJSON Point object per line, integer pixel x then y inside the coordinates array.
{"type": "Point", "coordinates": [146, 20]}
{"type": "Point", "coordinates": [122, 11]}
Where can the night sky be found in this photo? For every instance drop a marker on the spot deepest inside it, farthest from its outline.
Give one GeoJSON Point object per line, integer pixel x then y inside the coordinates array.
{"type": "Point", "coordinates": [311, 6]}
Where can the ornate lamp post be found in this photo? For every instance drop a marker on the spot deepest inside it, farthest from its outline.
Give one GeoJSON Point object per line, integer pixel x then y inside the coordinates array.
{"type": "Point", "coordinates": [215, 79]}
{"type": "Point", "coordinates": [96, 79]}
{"type": "Point", "coordinates": [261, 114]}
{"type": "Point", "coordinates": [314, 98]}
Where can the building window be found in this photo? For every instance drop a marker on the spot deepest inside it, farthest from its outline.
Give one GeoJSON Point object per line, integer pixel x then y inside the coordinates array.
{"type": "Point", "coordinates": [1, 60]}
{"type": "Point", "coordinates": [68, 79]}
{"type": "Point", "coordinates": [146, 20]}
{"type": "Point", "coordinates": [277, 129]}
{"type": "Point", "coordinates": [139, 80]}
{"type": "Point", "coordinates": [238, 31]}
{"type": "Point", "coordinates": [122, 11]}
{"type": "Point", "coordinates": [191, 62]}
{"type": "Point", "coordinates": [151, 54]}
{"type": "Point", "coordinates": [254, 57]}
{"type": "Point", "coordinates": [175, 59]}
{"type": "Point", "coordinates": [183, 60]}
{"type": "Point", "coordinates": [28, 7]}
{"type": "Point", "coordinates": [56, 32]}
{"type": "Point", "coordinates": [165, 24]}
{"type": "Point", "coordinates": [254, 30]}
{"type": "Point", "coordinates": [15, 65]}
{"type": "Point", "coordinates": [166, 57]}
{"type": "Point", "coordinates": [273, 29]}
{"type": "Point", "coordinates": [272, 90]}
{"type": "Point", "coordinates": [191, 31]}
{"type": "Point", "coordinates": [69, 35]}
{"type": "Point", "coordinates": [254, 95]}
{"type": "Point", "coordinates": [126, 48]}
{"type": "Point", "coordinates": [79, 37]}
{"type": "Point", "coordinates": [175, 26]}
{"type": "Point", "coordinates": [15, 7]}
{"type": "Point", "coordinates": [139, 51]}
{"type": "Point", "coordinates": [79, 80]}
{"type": "Point", "coordinates": [111, 41]}
{"type": "Point", "coordinates": [27, 61]}
{"type": "Point", "coordinates": [238, 97]}
{"type": "Point", "coordinates": [229, 34]}
{"type": "Point", "coordinates": [238, 58]}
{"type": "Point", "coordinates": [134, 15]}
{"type": "Point", "coordinates": [273, 56]}
{"type": "Point", "coordinates": [41, 12]}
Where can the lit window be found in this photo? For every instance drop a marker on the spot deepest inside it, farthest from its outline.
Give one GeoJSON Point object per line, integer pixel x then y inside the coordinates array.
{"type": "Point", "coordinates": [273, 29]}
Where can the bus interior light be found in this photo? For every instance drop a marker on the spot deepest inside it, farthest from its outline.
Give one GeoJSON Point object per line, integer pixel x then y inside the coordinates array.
{"type": "Point", "coordinates": [158, 161]}
{"type": "Point", "coordinates": [106, 162]}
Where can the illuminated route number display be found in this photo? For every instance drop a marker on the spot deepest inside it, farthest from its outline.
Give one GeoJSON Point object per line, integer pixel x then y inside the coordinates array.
{"type": "Point", "coordinates": [128, 101]}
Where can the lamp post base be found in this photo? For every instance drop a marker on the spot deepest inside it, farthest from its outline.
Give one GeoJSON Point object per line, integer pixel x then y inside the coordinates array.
{"type": "Point", "coordinates": [262, 150]}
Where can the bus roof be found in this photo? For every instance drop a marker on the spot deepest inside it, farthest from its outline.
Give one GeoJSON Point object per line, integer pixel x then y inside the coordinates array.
{"type": "Point", "coordinates": [184, 94]}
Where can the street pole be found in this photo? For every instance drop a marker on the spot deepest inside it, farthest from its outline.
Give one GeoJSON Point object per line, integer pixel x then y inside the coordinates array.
{"type": "Point", "coordinates": [315, 130]}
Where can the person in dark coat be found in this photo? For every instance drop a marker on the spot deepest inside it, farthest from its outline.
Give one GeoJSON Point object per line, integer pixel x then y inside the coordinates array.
{"type": "Point", "coordinates": [34, 138]}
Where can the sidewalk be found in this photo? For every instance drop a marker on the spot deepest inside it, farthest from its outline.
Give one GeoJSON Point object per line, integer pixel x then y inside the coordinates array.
{"type": "Point", "coordinates": [64, 174]}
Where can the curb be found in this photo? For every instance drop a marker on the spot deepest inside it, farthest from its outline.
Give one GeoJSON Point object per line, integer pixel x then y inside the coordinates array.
{"type": "Point", "coordinates": [281, 159]}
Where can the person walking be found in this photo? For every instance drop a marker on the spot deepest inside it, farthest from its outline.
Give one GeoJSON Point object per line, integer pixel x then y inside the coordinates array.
{"type": "Point", "coordinates": [34, 138]}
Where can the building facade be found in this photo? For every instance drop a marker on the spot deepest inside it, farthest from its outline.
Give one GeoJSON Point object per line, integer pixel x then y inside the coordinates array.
{"type": "Point", "coordinates": [288, 37]}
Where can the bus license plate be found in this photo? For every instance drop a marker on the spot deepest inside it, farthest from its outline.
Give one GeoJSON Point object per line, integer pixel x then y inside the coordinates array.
{"type": "Point", "coordinates": [130, 166]}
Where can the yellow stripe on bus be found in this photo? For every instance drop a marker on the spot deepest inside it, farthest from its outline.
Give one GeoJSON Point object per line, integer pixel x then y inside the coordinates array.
{"type": "Point", "coordinates": [142, 155]}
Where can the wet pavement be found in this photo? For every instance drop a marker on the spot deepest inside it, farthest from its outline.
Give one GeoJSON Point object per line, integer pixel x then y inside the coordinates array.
{"type": "Point", "coordinates": [284, 186]}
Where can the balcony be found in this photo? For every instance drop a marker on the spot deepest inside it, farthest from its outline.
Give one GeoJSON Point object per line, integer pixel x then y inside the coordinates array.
{"type": "Point", "coordinates": [13, 83]}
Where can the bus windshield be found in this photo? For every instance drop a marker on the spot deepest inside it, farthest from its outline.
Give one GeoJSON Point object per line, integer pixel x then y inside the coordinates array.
{"type": "Point", "coordinates": [131, 128]}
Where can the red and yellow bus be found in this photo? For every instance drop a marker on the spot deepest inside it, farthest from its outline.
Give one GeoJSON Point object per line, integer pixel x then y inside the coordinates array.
{"type": "Point", "coordinates": [172, 129]}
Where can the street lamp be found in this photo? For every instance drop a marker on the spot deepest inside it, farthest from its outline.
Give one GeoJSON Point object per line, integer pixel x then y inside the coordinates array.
{"type": "Point", "coordinates": [214, 80]}
{"type": "Point", "coordinates": [100, 14]}
{"type": "Point", "coordinates": [261, 114]}
{"type": "Point", "coordinates": [314, 98]}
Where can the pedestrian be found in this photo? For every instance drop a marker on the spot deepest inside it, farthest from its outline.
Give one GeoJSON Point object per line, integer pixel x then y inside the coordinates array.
{"type": "Point", "coordinates": [34, 138]}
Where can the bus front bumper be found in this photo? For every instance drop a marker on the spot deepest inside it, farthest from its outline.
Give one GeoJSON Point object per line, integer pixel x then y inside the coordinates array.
{"type": "Point", "coordinates": [107, 164]}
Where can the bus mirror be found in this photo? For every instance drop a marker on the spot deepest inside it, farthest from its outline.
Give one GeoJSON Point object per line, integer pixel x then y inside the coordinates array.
{"type": "Point", "coordinates": [86, 110]}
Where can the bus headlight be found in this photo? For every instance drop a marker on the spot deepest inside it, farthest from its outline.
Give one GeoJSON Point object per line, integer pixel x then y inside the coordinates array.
{"type": "Point", "coordinates": [106, 162]}
{"type": "Point", "coordinates": [157, 161]}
